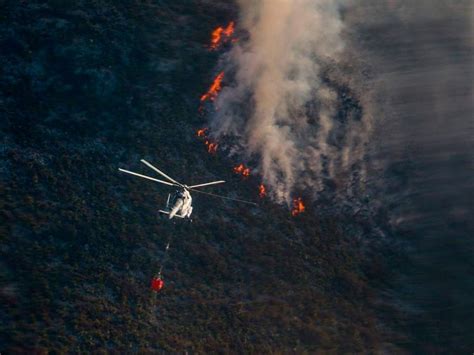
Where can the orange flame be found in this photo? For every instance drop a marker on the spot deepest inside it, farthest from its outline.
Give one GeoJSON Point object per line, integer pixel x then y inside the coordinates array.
{"type": "Point", "coordinates": [229, 30]}
{"type": "Point", "coordinates": [214, 89]}
{"type": "Point", "coordinates": [262, 192]}
{"type": "Point", "coordinates": [242, 170]}
{"type": "Point", "coordinates": [211, 147]}
{"type": "Point", "coordinates": [220, 35]}
{"type": "Point", "coordinates": [298, 207]}
{"type": "Point", "coordinates": [216, 37]}
{"type": "Point", "coordinates": [201, 132]}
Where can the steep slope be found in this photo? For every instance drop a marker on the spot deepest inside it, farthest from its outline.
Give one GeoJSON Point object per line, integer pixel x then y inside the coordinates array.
{"type": "Point", "coordinates": [96, 85]}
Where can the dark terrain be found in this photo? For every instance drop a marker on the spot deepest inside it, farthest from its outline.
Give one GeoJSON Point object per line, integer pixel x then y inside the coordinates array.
{"type": "Point", "coordinates": [89, 86]}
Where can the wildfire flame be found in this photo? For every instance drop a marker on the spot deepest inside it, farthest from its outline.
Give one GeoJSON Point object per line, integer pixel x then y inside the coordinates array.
{"type": "Point", "coordinates": [220, 35]}
{"type": "Point", "coordinates": [211, 147]}
{"type": "Point", "coordinates": [298, 207]}
{"type": "Point", "coordinates": [229, 30]}
{"type": "Point", "coordinates": [211, 94]}
{"type": "Point", "coordinates": [242, 170]}
{"type": "Point", "coordinates": [201, 132]}
{"type": "Point", "coordinates": [262, 192]}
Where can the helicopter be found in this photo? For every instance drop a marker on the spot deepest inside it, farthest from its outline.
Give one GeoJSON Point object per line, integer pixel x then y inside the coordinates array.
{"type": "Point", "coordinates": [180, 203]}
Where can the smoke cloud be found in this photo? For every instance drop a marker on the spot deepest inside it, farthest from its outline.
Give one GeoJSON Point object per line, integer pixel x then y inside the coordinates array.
{"type": "Point", "coordinates": [284, 104]}
{"type": "Point", "coordinates": [324, 96]}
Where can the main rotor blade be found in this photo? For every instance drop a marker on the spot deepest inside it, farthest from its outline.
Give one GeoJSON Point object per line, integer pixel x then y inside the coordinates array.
{"type": "Point", "coordinates": [147, 177]}
{"type": "Point", "coordinates": [160, 172]}
{"type": "Point", "coordinates": [207, 184]}
{"type": "Point", "coordinates": [224, 197]}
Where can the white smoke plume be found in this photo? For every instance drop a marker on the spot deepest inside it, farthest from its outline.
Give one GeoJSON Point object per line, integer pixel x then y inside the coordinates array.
{"type": "Point", "coordinates": [278, 105]}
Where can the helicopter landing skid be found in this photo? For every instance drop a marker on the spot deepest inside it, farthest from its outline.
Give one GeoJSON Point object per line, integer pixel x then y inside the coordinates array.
{"type": "Point", "coordinates": [166, 212]}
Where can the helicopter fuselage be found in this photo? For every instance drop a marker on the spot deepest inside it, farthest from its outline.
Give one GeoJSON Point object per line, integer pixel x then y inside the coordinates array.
{"type": "Point", "coordinates": [180, 205]}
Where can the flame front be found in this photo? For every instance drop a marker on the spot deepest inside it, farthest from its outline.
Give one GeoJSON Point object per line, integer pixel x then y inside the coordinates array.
{"type": "Point", "coordinates": [262, 192]}
{"type": "Point", "coordinates": [211, 94]}
{"type": "Point", "coordinates": [229, 30]}
{"type": "Point", "coordinates": [298, 206]}
{"type": "Point", "coordinates": [201, 132]}
{"type": "Point", "coordinates": [211, 147]}
{"type": "Point", "coordinates": [221, 35]}
{"type": "Point", "coordinates": [242, 170]}
{"type": "Point", "coordinates": [216, 37]}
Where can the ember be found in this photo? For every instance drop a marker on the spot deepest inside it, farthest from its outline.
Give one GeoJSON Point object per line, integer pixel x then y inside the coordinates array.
{"type": "Point", "coordinates": [298, 207]}
{"type": "Point", "coordinates": [221, 35]}
{"type": "Point", "coordinates": [211, 94]}
{"type": "Point", "coordinates": [242, 170]}
{"type": "Point", "coordinates": [262, 192]}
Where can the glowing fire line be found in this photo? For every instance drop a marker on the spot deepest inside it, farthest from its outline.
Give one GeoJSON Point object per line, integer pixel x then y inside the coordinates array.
{"type": "Point", "coordinates": [211, 94]}
{"type": "Point", "coordinates": [211, 146]}
{"type": "Point", "coordinates": [221, 35]}
{"type": "Point", "coordinates": [242, 170]}
{"type": "Point", "coordinates": [298, 207]}
{"type": "Point", "coordinates": [201, 132]}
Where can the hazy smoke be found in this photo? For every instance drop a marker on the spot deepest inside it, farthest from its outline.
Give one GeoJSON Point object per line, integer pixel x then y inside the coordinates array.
{"type": "Point", "coordinates": [279, 106]}
{"type": "Point", "coordinates": [422, 53]}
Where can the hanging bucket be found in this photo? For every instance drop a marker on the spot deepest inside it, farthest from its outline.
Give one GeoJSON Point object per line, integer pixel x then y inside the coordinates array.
{"type": "Point", "coordinates": [157, 284]}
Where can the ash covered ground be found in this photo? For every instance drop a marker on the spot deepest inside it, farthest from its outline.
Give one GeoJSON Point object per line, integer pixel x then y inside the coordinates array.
{"type": "Point", "coordinates": [91, 86]}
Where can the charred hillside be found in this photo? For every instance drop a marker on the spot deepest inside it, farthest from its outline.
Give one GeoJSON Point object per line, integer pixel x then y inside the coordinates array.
{"type": "Point", "coordinates": [89, 87]}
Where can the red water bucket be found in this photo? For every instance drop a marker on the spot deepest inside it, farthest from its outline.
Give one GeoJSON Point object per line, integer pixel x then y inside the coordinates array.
{"type": "Point", "coordinates": [157, 284]}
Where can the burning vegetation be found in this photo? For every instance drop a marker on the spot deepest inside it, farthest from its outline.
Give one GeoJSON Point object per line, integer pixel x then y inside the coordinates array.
{"type": "Point", "coordinates": [298, 206]}
{"type": "Point", "coordinates": [202, 132]}
{"type": "Point", "coordinates": [221, 35]}
{"type": "Point", "coordinates": [211, 94]}
{"type": "Point", "coordinates": [242, 170]}
{"type": "Point", "coordinates": [211, 146]}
